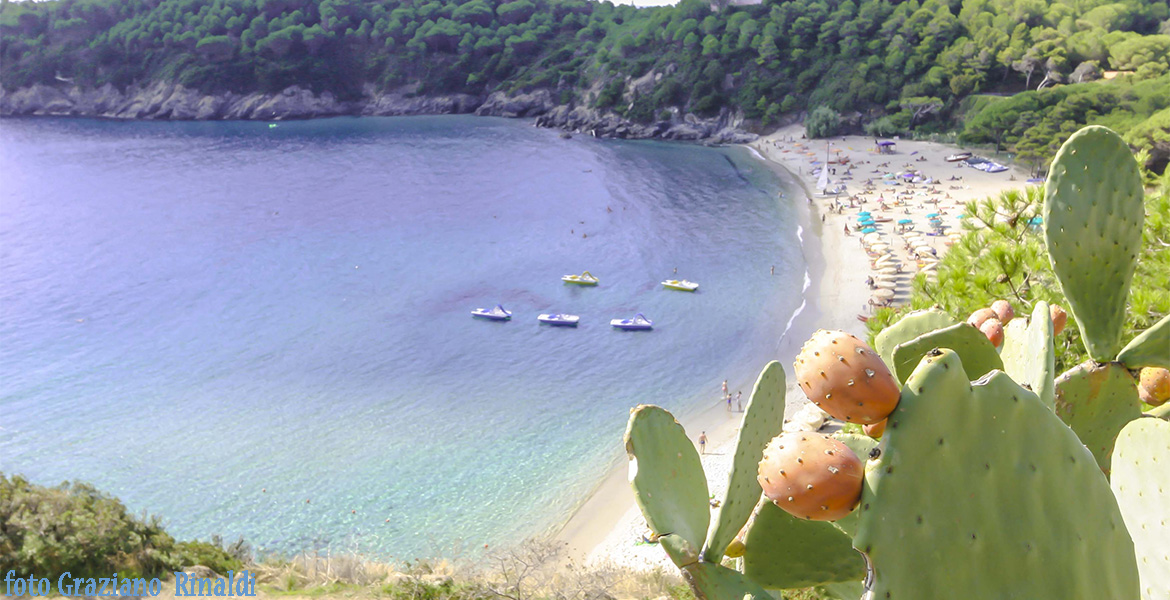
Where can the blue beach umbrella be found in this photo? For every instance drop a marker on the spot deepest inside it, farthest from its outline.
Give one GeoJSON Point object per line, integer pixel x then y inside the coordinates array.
{"type": "Point", "coordinates": [904, 221]}
{"type": "Point", "coordinates": [932, 215]}
{"type": "Point", "coordinates": [868, 230]}
{"type": "Point", "coordinates": [961, 217]}
{"type": "Point", "coordinates": [1036, 221]}
{"type": "Point", "coordinates": [864, 213]}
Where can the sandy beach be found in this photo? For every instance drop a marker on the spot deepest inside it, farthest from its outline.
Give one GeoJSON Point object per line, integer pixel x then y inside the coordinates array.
{"type": "Point", "coordinates": [851, 272]}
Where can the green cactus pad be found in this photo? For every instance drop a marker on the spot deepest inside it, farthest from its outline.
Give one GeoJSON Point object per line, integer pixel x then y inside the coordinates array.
{"type": "Point", "coordinates": [1093, 213]}
{"type": "Point", "coordinates": [1150, 349]}
{"type": "Point", "coordinates": [668, 481]}
{"type": "Point", "coordinates": [843, 591]}
{"type": "Point", "coordinates": [782, 551]}
{"type": "Point", "coordinates": [1141, 482]}
{"type": "Point", "coordinates": [710, 581]}
{"type": "Point", "coordinates": [908, 328]}
{"type": "Point", "coordinates": [981, 492]}
{"type": "Point", "coordinates": [1096, 401]}
{"type": "Point", "coordinates": [762, 420]}
{"type": "Point", "coordinates": [1029, 356]}
{"type": "Point", "coordinates": [974, 348]}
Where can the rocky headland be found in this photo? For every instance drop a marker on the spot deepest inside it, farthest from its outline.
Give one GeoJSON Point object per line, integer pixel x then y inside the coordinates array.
{"type": "Point", "coordinates": [172, 101]}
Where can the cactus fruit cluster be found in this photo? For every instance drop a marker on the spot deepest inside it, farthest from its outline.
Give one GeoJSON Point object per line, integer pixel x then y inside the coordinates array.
{"type": "Point", "coordinates": [994, 476]}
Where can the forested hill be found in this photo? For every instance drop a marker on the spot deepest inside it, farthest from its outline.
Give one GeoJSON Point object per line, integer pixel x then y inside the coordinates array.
{"type": "Point", "coordinates": [907, 59]}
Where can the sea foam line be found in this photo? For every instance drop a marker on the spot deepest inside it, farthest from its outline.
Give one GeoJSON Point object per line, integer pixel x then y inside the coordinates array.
{"type": "Point", "coordinates": [803, 290]}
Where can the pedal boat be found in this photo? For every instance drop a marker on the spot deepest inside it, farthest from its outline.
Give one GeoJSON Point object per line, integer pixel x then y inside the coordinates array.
{"type": "Point", "coordinates": [681, 285]}
{"type": "Point", "coordinates": [585, 278]}
{"type": "Point", "coordinates": [559, 320]}
{"type": "Point", "coordinates": [493, 314]}
{"type": "Point", "coordinates": [638, 323]}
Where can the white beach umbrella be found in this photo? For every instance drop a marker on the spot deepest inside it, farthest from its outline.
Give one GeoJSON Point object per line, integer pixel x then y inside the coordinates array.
{"type": "Point", "coordinates": [886, 284]}
{"type": "Point", "coordinates": [883, 293]}
{"type": "Point", "coordinates": [889, 270]}
{"type": "Point", "coordinates": [879, 247]}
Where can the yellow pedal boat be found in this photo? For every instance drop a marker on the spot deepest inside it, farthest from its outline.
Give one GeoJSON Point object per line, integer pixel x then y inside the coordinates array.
{"type": "Point", "coordinates": [681, 285]}
{"type": "Point", "coordinates": [585, 278]}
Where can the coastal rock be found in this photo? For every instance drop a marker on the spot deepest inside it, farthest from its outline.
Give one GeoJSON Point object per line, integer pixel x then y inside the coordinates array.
{"type": "Point", "coordinates": [530, 104]}
{"type": "Point", "coordinates": [200, 571]}
{"type": "Point", "coordinates": [173, 101]}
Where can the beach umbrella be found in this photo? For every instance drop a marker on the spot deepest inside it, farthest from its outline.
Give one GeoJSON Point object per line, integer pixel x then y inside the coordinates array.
{"type": "Point", "coordinates": [905, 221]}
{"type": "Point", "coordinates": [888, 262]}
{"type": "Point", "coordinates": [886, 284]}
{"type": "Point", "coordinates": [961, 217]}
{"type": "Point", "coordinates": [868, 230]}
{"type": "Point", "coordinates": [932, 215]}
{"type": "Point", "coordinates": [864, 213]}
{"type": "Point", "coordinates": [879, 247]}
{"type": "Point", "coordinates": [888, 270]}
{"type": "Point", "coordinates": [883, 293]}
{"type": "Point", "coordinates": [873, 236]}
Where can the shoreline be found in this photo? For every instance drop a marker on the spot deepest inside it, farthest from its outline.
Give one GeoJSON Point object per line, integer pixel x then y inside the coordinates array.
{"type": "Point", "coordinates": [603, 527]}
{"type": "Point", "coordinates": [606, 526]}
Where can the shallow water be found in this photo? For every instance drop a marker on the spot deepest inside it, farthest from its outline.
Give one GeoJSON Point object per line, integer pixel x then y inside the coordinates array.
{"type": "Point", "coordinates": [264, 332]}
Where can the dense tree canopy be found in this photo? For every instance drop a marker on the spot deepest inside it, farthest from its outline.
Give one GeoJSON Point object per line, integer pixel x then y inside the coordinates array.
{"type": "Point", "coordinates": [911, 60]}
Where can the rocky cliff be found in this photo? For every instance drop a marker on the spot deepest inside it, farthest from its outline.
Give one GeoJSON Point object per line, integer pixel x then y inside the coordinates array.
{"type": "Point", "coordinates": [170, 101]}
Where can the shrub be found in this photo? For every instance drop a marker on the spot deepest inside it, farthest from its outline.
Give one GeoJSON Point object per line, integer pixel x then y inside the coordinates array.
{"type": "Point", "coordinates": [822, 122]}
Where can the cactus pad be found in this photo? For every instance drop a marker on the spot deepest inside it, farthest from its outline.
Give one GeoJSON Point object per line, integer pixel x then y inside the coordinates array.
{"type": "Point", "coordinates": [1093, 213]}
{"type": "Point", "coordinates": [1029, 356]}
{"type": "Point", "coordinates": [782, 551]}
{"type": "Point", "coordinates": [908, 328]}
{"type": "Point", "coordinates": [980, 491]}
{"type": "Point", "coordinates": [971, 345]}
{"type": "Point", "coordinates": [1096, 401]}
{"type": "Point", "coordinates": [668, 481]}
{"type": "Point", "coordinates": [710, 581]}
{"type": "Point", "coordinates": [1141, 482]}
{"type": "Point", "coordinates": [762, 419]}
{"type": "Point", "coordinates": [1150, 349]}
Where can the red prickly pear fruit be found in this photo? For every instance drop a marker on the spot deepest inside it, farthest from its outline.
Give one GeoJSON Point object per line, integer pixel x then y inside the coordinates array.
{"type": "Point", "coordinates": [811, 476]}
{"type": "Point", "coordinates": [1059, 318]}
{"type": "Point", "coordinates": [978, 317]}
{"type": "Point", "coordinates": [1154, 386]}
{"type": "Point", "coordinates": [1003, 311]}
{"type": "Point", "coordinates": [875, 430]}
{"type": "Point", "coordinates": [846, 378]}
{"type": "Point", "coordinates": [993, 329]}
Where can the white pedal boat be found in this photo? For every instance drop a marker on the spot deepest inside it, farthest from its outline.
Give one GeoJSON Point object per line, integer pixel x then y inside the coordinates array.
{"type": "Point", "coordinates": [638, 323]}
{"type": "Point", "coordinates": [680, 284]}
{"type": "Point", "coordinates": [585, 278]}
{"type": "Point", "coordinates": [492, 314]}
{"type": "Point", "coordinates": [560, 320]}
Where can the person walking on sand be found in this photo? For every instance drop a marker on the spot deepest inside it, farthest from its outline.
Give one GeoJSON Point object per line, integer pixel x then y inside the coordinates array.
{"type": "Point", "coordinates": [703, 443]}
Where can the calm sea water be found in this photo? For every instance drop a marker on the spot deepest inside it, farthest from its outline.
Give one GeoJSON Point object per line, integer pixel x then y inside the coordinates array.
{"type": "Point", "coordinates": [264, 332]}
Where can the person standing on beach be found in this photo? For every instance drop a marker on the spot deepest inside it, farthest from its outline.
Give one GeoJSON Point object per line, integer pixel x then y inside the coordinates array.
{"type": "Point", "coordinates": [703, 443]}
{"type": "Point", "coordinates": [725, 383]}
{"type": "Point", "coordinates": [738, 402]}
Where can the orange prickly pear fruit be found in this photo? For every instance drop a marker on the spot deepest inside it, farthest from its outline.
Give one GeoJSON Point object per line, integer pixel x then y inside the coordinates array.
{"type": "Point", "coordinates": [1154, 386]}
{"type": "Point", "coordinates": [846, 378]}
{"type": "Point", "coordinates": [811, 476]}
{"type": "Point", "coordinates": [978, 317]}
{"type": "Point", "coordinates": [993, 329]}
{"type": "Point", "coordinates": [1003, 311]}
{"type": "Point", "coordinates": [875, 430]}
{"type": "Point", "coordinates": [1059, 318]}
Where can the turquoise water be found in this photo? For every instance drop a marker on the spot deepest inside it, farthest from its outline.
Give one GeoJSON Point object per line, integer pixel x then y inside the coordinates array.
{"type": "Point", "coordinates": [264, 332]}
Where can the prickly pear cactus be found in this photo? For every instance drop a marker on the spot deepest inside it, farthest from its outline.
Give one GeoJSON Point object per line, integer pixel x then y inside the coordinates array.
{"type": "Point", "coordinates": [1096, 401]}
{"type": "Point", "coordinates": [668, 481]}
{"type": "Point", "coordinates": [782, 552]}
{"type": "Point", "coordinates": [1093, 213]}
{"type": "Point", "coordinates": [710, 581]}
{"type": "Point", "coordinates": [981, 492]}
{"type": "Point", "coordinates": [761, 421]}
{"type": "Point", "coordinates": [907, 328]}
{"type": "Point", "coordinates": [1141, 482]}
{"type": "Point", "coordinates": [1150, 349]}
{"type": "Point", "coordinates": [1029, 356]}
{"type": "Point", "coordinates": [967, 341]}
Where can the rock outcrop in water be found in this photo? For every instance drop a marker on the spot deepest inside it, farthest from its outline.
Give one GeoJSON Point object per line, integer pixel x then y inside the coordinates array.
{"type": "Point", "coordinates": [172, 101]}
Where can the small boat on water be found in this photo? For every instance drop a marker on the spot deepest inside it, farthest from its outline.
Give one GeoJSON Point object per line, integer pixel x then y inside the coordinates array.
{"type": "Point", "coordinates": [585, 278]}
{"type": "Point", "coordinates": [493, 314]}
{"type": "Point", "coordinates": [958, 157]}
{"type": "Point", "coordinates": [680, 284]}
{"type": "Point", "coordinates": [559, 320]}
{"type": "Point", "coordinates": [638, 323]}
